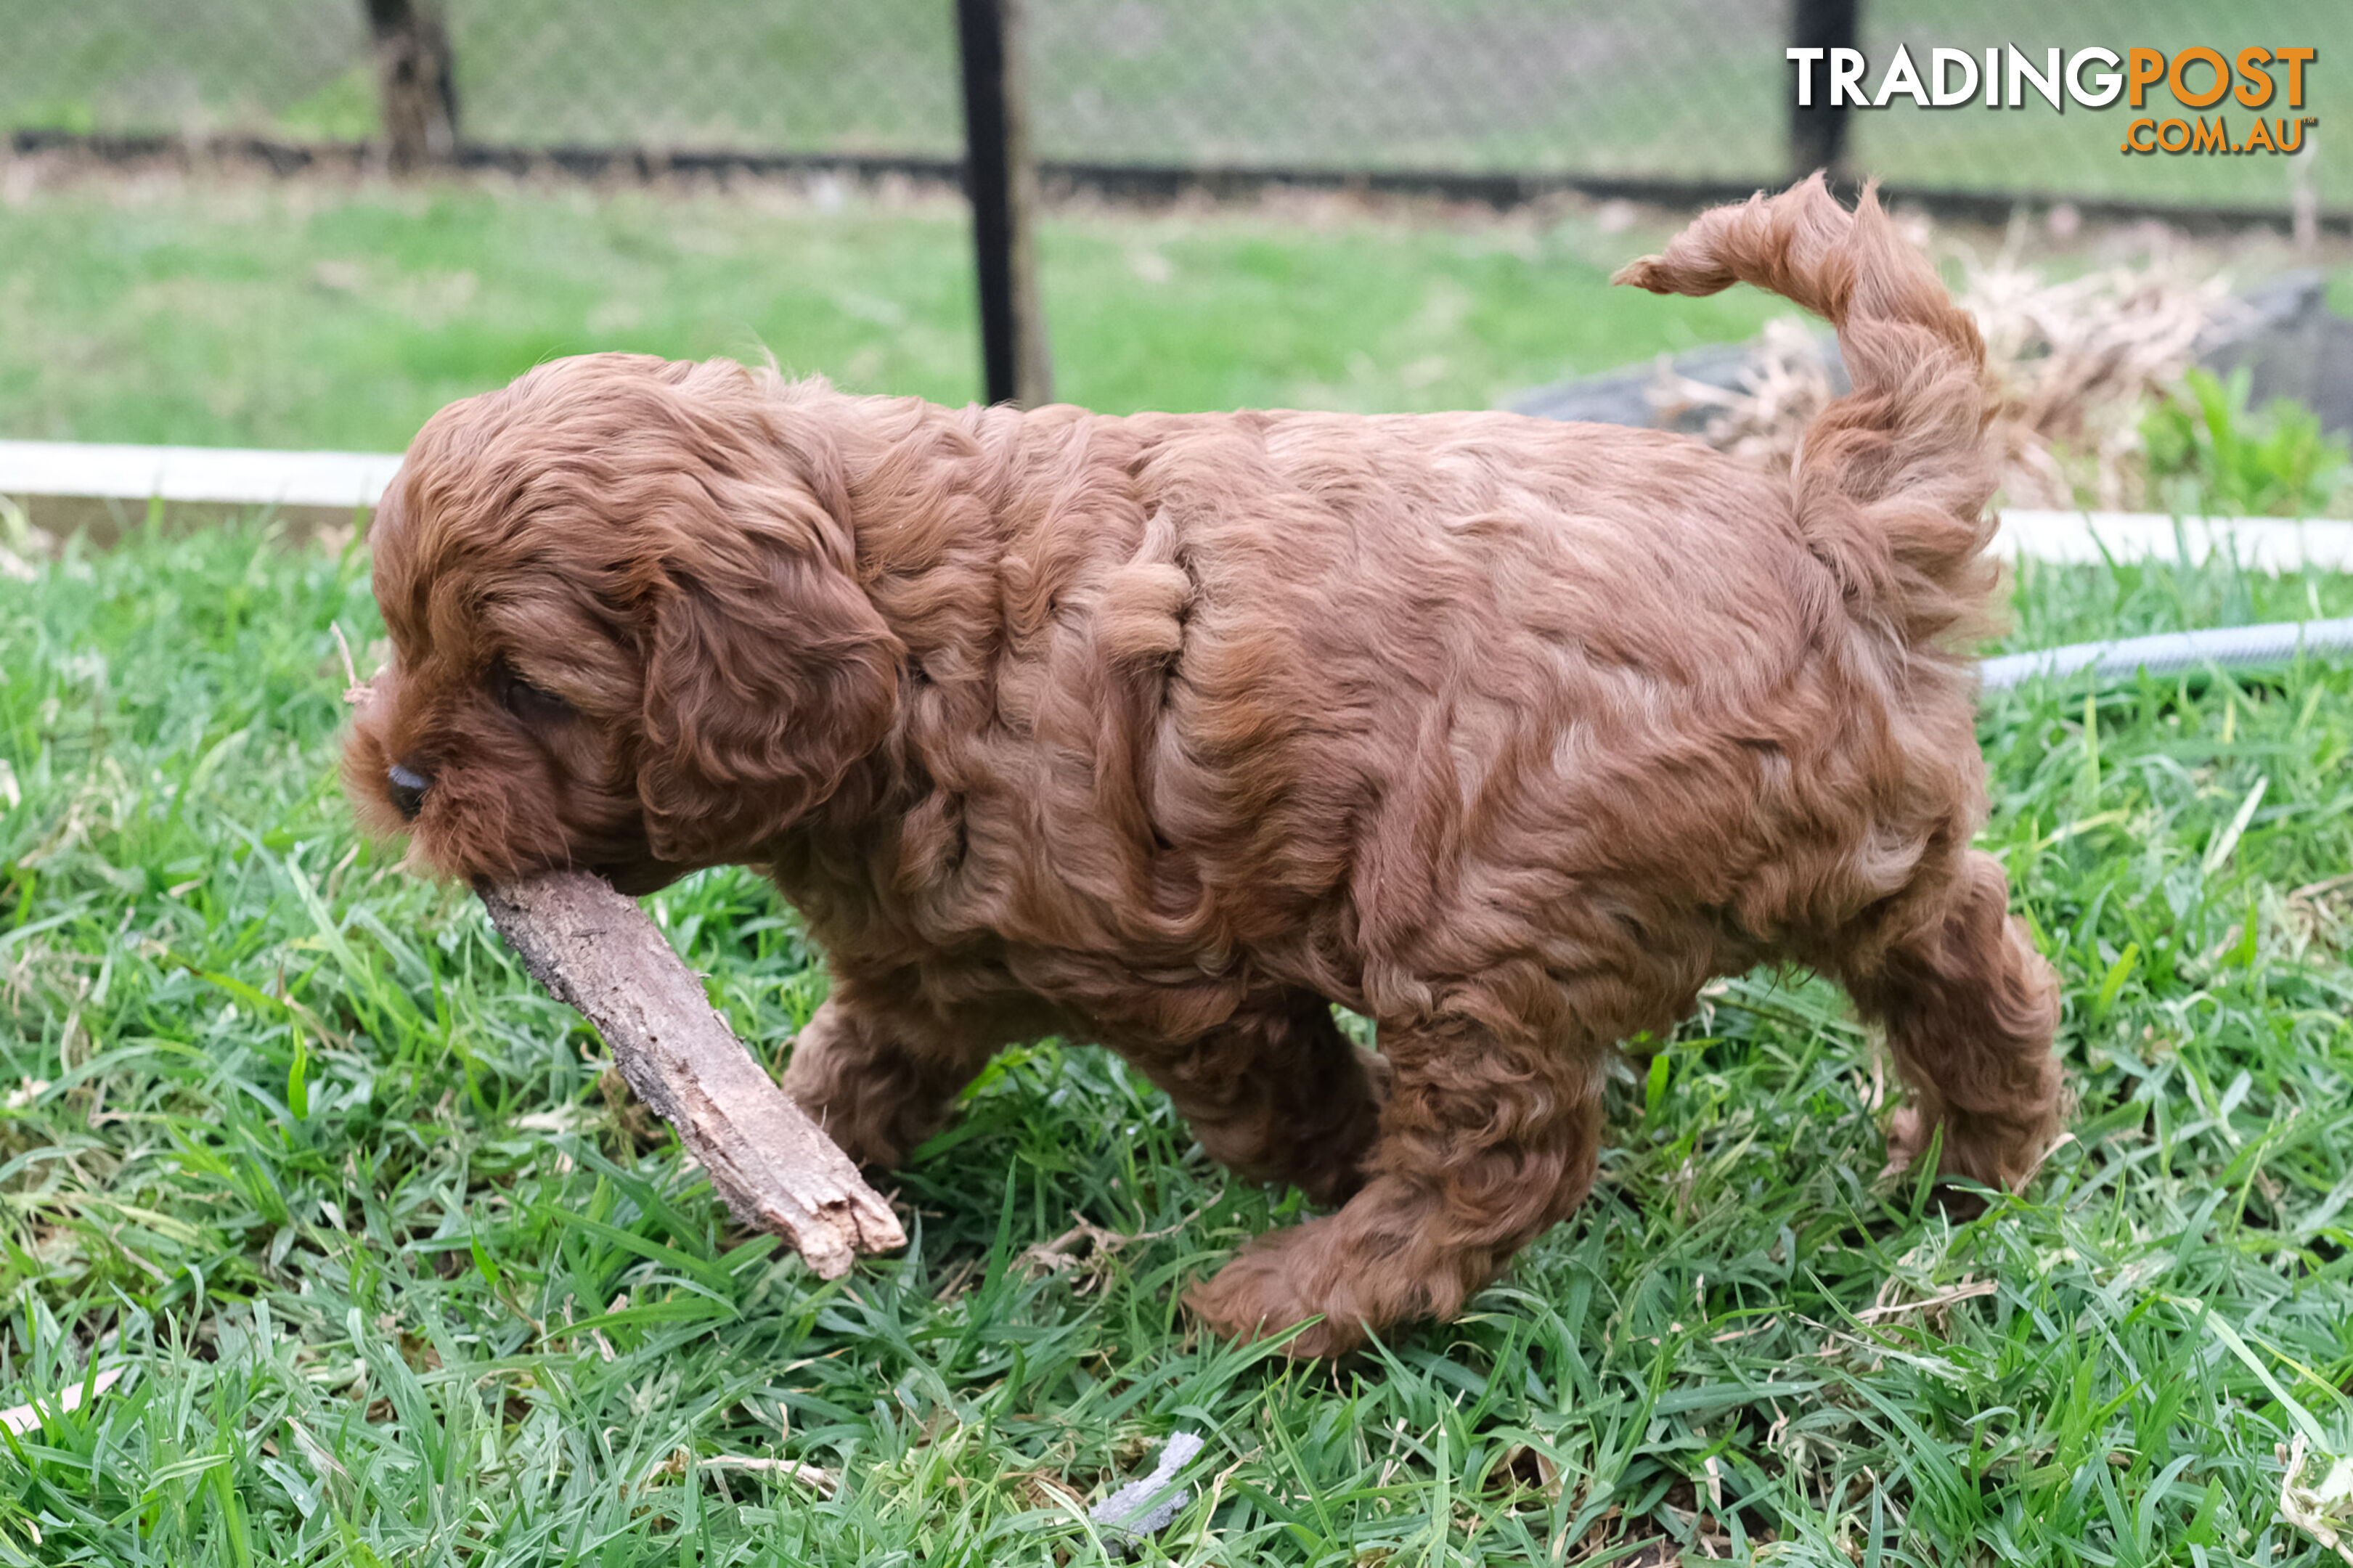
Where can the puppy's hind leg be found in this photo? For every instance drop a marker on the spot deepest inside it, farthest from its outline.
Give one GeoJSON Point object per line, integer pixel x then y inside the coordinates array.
{"type": "Point", "coordinates": [1486, 1142]}
{"type": "Point", "coordinates": [1969, 1008]}
{"type": "Point", "coordinates": [877, 1083]}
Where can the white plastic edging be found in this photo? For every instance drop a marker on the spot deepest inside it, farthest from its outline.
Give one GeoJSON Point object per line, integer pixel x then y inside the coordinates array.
{"type": "Point", "coordinates": [2259, 543]}
{"type": "Point", "coordinates": [222, 475]}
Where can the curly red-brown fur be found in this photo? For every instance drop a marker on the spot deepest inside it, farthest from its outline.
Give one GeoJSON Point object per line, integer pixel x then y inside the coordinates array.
{"type": "Point", "coordinates": [1169, 732]}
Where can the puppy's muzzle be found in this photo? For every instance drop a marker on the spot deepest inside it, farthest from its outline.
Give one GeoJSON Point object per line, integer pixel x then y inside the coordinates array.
{"type": "Point", "coordinates": [406, 788]}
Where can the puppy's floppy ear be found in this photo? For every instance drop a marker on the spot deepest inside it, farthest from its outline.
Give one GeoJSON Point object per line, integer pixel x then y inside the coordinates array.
{"type": "Point", "coordinates": [768, 671]}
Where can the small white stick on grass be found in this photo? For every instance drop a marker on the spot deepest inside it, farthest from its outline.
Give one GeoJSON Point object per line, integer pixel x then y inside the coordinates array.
{"type": "Point", "coordinates": [816, 1478]}
{"type": "Point", "coordinates": [2324, 1509]}
{"type": "Point", "coordinates": [356, 691]}
{"type": "Point", "coordinates": [2219, 851]}
{"type": "Point", "coordinates": [1942, 1299]}
{"type": "Point", "coordinates": [22, 1419]}
{"type": "Point", "coordinates": [1133, 1509]}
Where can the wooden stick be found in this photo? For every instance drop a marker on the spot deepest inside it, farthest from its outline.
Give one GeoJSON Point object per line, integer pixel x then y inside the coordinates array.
{"type": "Point", "coordinates": [595, 949]}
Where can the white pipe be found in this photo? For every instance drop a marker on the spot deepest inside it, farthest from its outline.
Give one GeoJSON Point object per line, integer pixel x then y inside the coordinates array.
{"type": "Point", "coordinates": [2169, 653]}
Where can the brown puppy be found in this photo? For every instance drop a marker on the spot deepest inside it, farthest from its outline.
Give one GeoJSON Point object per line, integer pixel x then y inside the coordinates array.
{"type": "Point", "coordinates": [1170, 732]}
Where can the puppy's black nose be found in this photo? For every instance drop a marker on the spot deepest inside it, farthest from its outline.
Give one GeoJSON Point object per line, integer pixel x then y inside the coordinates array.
{"type": "Point", "coordinates": [407, 789]}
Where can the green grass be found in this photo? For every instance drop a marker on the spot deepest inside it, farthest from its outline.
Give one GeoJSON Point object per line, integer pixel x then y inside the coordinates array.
{"type": "Point", "coordinates": [288, 1137]}
{"type": "Point", "coordinates": [309, 314]}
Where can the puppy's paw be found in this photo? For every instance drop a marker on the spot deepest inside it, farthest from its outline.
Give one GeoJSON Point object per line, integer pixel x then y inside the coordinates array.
{"type": "Point", "coordinates": [1997, 1152]}
{"type": "Point", "coordinates": [1907, 1139]}
{"type": "Point", "coordinates": [1262, 1293]}
{"type": "Point", "coordinates": [868, 1149]}
{"type": "Point", "coordinates": [866, 1122]}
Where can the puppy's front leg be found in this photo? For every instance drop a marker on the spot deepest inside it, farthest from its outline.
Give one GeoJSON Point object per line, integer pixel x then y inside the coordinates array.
{"type": "Point", "coordinates": [877, 1087]}
{"type": "Point", "coordinates": [1484, 1144]}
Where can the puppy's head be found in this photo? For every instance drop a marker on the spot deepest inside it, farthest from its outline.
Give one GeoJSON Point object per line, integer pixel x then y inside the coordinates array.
{"type": "Point", "coordinates": [627, 631]}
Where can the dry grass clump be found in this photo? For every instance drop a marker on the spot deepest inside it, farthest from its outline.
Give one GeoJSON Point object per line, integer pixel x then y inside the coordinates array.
{"type": "Point", "coordinates": [1788, 377]}
{"type": "Point", "coordinates": [2075, 365]}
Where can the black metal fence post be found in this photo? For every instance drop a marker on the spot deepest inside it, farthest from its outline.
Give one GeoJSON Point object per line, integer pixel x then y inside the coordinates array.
{"type": "Point", "coordinates": [1002, 182]}
{"type": "Point", "coordinates": [1818, 131]}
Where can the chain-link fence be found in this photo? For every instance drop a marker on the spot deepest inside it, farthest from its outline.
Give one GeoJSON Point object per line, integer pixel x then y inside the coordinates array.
{"type": "Point", "coordinates": [1673, 91]}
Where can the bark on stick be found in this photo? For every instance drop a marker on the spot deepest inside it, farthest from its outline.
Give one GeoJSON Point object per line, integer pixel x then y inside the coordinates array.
{"type": "Point", "coordinates": [595, 949]}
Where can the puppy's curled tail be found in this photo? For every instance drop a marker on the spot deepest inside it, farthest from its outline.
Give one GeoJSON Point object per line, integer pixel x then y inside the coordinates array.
{"type": "Point", "coordinates": [1890, 481]}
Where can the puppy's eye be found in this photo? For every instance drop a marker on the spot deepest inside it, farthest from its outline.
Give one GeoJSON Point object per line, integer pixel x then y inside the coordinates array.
{"type": "Point", "coordinates": [532, 704]}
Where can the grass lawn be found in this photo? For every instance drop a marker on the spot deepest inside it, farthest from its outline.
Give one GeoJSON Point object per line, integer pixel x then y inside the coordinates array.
{"type": "Point", "coordinates": [246, 311]}
{"type": "Point", "coordinates": [289, 1139]}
